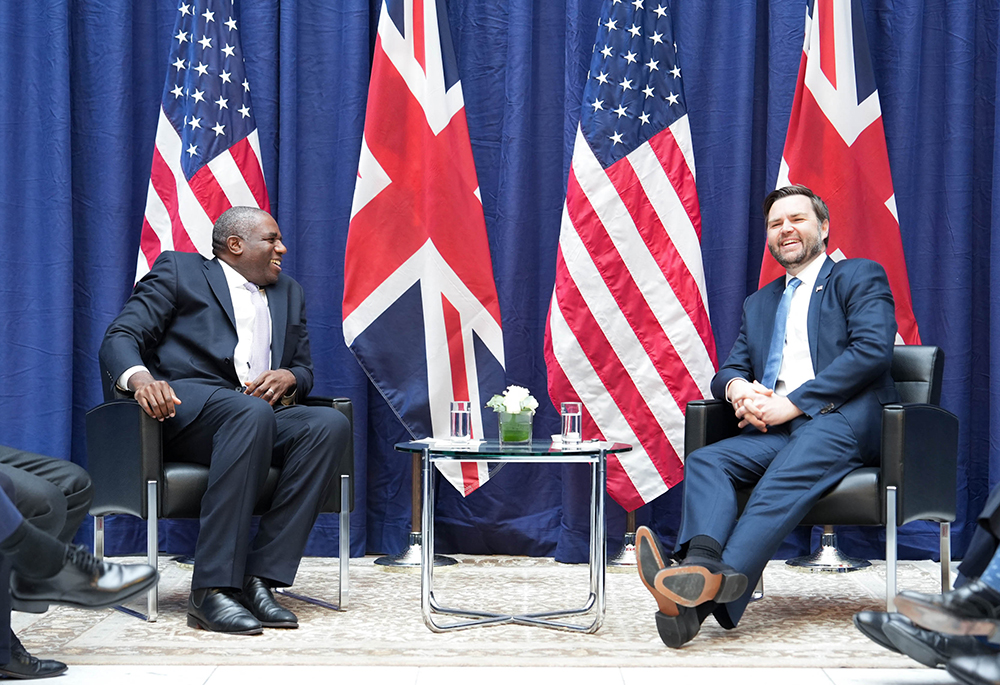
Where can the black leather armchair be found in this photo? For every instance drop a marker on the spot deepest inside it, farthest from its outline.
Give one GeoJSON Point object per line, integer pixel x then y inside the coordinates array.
{"type": "Point", "coordinates": [916, 477]}
{"type": "Point", "coordinates": [130, 475]}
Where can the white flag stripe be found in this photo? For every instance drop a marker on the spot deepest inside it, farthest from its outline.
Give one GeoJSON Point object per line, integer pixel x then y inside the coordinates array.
{"type": "Point", "coordinates": [606, 415]}
{"type": "Point", "coordinates": [159, 220]}
{"type": "Point", "coordinates": [620, 335]}
{"type": "Point", "coordinates": [231, 180]}
{"type": "Point", "coordinates": [673, 214]}
{"type": "Point", "coordinates": [197, 223]}
{"type": "Point", "coordinates": [645, 272]}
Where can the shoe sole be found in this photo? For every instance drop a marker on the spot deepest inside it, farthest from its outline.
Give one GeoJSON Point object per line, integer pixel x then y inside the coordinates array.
{"type": "Point", "coordinates": [935, 618]}
{"type": "Point", "coordinates": [690, 586]}
{"type": "Point", "coordinates": [135, 591]}
{"type": "Point", "coordinates": [676, 631]}
{"type": "Point", "coordinates": [279, 624]}
{"type": "Point", "coordinates": [195, 622]}
{"type": "Point", "coordinates": [649, 554]}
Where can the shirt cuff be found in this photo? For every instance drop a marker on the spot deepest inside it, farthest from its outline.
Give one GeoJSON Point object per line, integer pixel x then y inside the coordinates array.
{"type": "Point", "coordinates": [729, 385]}
{"type": "Point", "coordinates": [123, 379]}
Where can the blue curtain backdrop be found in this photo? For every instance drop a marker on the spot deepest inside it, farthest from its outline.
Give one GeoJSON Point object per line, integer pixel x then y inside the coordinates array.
{"type": "Point", "coordinates": [80, 83]}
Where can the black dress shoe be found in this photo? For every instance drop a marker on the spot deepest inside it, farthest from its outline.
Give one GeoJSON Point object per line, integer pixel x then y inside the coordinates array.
{"type": "Point", "coordinates": [975, 670]}
{"type": "Point", "coordinates": [930, 648]}
{"type": "Point", "coordinates": [872, 624]}
{"type": "Point", "coordinates": [85, 581]}
{"type": "Point", "coordinates": [217, 610]}
{"type": "Point", "coordinates": [676, 625]}
{"type": "Point", "coordinates": [257, 597]}
{"type": "Point", "coordinates": [973, 609]}
{"type": "Point", "coordinates": [24, 666]}
{"type": "Point", "coordinates": [697, 580]}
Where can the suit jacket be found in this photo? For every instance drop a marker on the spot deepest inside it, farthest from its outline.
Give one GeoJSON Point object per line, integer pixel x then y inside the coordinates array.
{"type": "Point", "coordinates": [851, 326]}
{"type": "Point", "coordinates": [179, 323]}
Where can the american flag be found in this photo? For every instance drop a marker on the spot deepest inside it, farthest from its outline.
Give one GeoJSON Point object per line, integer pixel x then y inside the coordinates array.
{"type": "Point", "coordinates": [628, 332]}
{"type": "Point", "coordinates": [836, 146]}
{"type": "Point", "coordinates": [420, 304]}
{"type": "Point", "coordinates": [207, 156]}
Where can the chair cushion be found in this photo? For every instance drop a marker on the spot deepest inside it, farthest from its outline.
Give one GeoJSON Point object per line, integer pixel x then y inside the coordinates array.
{"type": "Point", "coordinates": [185, 484]}
{"type": "Point", "coordinates": [856, 500]}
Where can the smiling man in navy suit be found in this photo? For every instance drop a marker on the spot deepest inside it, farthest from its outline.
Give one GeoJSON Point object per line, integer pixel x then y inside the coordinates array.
{"type": "Point", "coordinates": [218, 351]}
{"type": "Point", "coordinates": [806, 378]}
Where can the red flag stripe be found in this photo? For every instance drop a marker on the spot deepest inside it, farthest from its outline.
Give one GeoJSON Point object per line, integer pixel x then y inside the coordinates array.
{"type": "Point", "coordinates": [612, 372]}
{"type": "Point", "coordinates": [617, 277]}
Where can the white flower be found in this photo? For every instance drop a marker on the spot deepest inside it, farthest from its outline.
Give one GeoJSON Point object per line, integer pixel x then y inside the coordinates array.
{"type": "Point", "coordinates": [514, 400]}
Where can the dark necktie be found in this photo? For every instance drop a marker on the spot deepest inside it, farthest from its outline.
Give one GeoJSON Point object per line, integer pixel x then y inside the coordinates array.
{"type": "Point", "coordinates": [778, 335]}
{"type": "Point", "coordinates": [260, 344]}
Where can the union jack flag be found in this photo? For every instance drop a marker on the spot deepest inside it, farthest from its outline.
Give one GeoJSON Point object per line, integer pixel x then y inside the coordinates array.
{"type": "Point", "coordinates": [420, 304]}
{"type": "Point", "coordinates": [207, 155]}
{"type": "Point", "coordinates": [628, 332]}
{"type": "Point", "coordinates": [835, 145]}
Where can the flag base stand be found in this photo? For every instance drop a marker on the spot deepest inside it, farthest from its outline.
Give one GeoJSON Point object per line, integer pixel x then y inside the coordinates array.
{"type": "Point", "coordinates": [828, 559]}
{"type": "Point", "coordinates": [625, 560]}
{"type": "Point", "coordinates": [409, 558]}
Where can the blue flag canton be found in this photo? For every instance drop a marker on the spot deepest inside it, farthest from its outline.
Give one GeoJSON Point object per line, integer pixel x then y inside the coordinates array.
{"type": "Point", "coordinates": [633, 88]}
{"type": "Point", "coordinates": [207, 95]}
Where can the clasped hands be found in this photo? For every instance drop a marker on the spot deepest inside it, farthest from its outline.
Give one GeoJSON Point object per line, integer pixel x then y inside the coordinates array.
{"type": "Point", "coordinates": [158, 399]}
{"type": "Point", "coordinates": [759, 407]}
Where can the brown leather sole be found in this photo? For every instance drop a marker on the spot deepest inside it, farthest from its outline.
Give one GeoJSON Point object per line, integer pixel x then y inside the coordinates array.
{"type": "Point", "coordinates": [692, 585]}
{"type": "Point", "coordinates": [649, 560]}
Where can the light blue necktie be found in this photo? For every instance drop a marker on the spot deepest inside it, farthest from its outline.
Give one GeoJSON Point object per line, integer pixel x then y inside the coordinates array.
{"type": "Point", "coordinates": [778, 335]}
{"type": "Point", "coordinates": [260, 344]}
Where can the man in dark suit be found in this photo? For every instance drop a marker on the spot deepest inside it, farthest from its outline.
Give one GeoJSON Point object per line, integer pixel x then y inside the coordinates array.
{"type": "Point", "coordinates": [218, 351]}
{"type": "Point", "coordinates": [806, 377]}
{"type": "Point", "coordinates": [42, 501]}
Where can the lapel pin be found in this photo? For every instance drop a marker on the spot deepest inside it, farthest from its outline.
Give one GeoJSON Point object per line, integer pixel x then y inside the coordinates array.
{"type": "Point", "coordinates": [818, 288]}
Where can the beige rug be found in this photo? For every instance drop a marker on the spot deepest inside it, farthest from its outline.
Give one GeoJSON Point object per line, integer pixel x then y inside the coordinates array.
{"type": "Point", "coordinates": [803, 621]}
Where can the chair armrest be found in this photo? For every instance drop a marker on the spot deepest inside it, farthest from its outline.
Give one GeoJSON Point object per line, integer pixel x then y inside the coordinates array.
{"type": "Point", "coordinates": [124, 452]}
{"type": "Point", "coordinates": [344, 406]}
{"type": "Point", "coordinates": [708, 421]}
{"type": "Point", "coordinates": [920, 458]}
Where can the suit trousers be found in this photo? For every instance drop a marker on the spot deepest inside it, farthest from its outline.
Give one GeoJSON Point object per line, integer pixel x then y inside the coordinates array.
{"type": "Point", "coordinates": [239, 437]}
{"type": "Point", "coordinates": [789, 467]}
{"type": "Point", "coordinates": [51, 494]}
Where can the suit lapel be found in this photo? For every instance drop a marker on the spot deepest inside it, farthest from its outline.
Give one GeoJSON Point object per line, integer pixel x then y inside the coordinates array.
{"type": "Point", "coordinates": [220, 287]}
{"type": "Point", "coordinates": [277, 303]}
{"type": "Point", "coordinates": [815, 303]}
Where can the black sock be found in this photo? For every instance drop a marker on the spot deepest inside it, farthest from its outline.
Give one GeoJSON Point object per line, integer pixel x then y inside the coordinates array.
{"type": "Point", "coordinates": [33, 553]}
{"type": "Point", "coordinates": [704, 610]}
{"type": "Point", "coordinates": [704, 547]}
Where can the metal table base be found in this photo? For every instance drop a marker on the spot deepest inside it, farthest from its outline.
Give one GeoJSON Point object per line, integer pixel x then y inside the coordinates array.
{"type": "Point", "coordinates": [595, 603]}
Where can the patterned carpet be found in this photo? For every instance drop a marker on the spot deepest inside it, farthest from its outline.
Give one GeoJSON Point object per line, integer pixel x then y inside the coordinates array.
{"type": "Point", "coordinates": [804, 620]}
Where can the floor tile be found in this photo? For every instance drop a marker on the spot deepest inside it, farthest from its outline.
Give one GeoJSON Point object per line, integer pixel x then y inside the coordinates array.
{"type": "Point", "coordinates": [526, 675]}
{"type": "Point", "coordinates": [887, 676]}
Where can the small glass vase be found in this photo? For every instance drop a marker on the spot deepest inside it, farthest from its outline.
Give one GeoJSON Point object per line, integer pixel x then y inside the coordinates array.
{"type": "Point", "coordinates": [515, 429]}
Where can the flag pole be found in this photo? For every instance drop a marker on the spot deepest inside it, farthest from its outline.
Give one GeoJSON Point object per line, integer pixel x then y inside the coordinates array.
{"type": "Point", "coordinates": [409, 558]}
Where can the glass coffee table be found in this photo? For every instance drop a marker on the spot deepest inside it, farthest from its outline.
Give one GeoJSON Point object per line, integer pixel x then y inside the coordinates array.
{"type": "Point", "coordinates": [593, 453]}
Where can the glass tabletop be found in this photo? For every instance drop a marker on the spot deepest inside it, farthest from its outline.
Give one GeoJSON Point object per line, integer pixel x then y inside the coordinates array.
{"type": "Point", "coordinates": [545, 449]}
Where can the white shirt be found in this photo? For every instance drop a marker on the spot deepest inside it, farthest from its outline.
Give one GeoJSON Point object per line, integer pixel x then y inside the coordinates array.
{"type": "Point", "coordinates": [796, 359]}
{"type": "Point", "coordinates": [243, 311]}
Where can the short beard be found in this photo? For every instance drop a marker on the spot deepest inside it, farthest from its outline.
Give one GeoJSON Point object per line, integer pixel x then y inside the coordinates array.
{"type": "Point", "coordinates": [785, 264]}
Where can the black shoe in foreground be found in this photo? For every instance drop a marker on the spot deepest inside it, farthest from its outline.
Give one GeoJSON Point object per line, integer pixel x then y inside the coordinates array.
{"type": "Point", "coordinates": [872, 625]}
{"type": "Point", "coordinates": [257, 597]}
{"type": "Point", "coordinates": [930, 648]}
{"type": "Point", "coordinates": [85, 582]}
{"type": "Point", "coordinates": [975, 670]}
{"type": "Point", "coordinates": [696, 581]}
{"type": "Point", "coordinates": [676, 625]}
{"type": "Point", "coordinates": [23, 666]}
{"type": "Point", "coordinates": [216, 609]}
{"type": "Point", "coordinates": [973, 609]}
